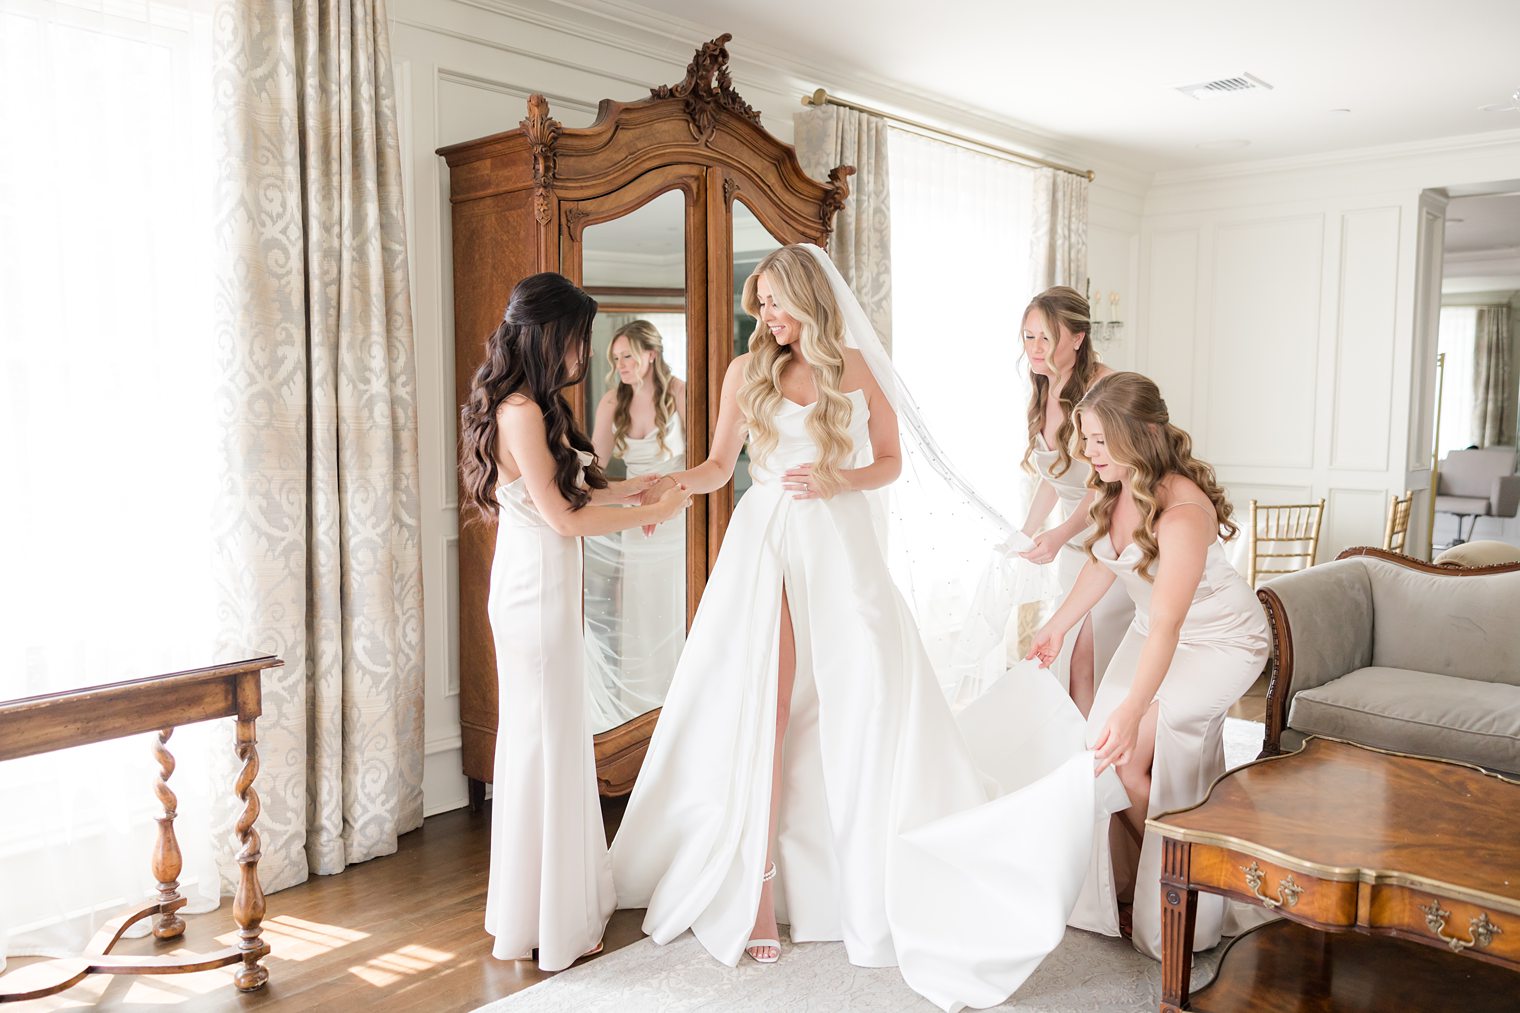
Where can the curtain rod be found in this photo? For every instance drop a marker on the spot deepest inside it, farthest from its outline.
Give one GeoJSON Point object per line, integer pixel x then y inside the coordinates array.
{"type": "Point", "coordinates": [822, 97]}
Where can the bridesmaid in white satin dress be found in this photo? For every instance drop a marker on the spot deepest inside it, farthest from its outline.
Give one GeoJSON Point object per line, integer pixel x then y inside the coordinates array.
{"type": "Point", "coordinates": [527, 465]}
{"type": "Point", "coordinates": [1198, 640]}
{"type": "Point", "coordinates": [806, 767]}
{"type": "Point", "coordinates": [1062, 366]}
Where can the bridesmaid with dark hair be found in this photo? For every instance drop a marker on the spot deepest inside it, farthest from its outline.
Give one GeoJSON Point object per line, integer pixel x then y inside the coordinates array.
{"type": "Point", "coordinates": [526, 463]}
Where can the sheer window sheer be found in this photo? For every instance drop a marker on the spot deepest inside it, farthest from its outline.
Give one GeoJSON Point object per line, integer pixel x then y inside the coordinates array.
{"type": "Point", "coordinates": [105, 430]}
{"type": "Point", "coordinates": [1458, 329]}
{"type": "Point", "coordinates": [961, 223]}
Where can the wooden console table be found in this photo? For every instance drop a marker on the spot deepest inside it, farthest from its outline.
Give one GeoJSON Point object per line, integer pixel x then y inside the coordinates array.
{"type": "Point", "coordinates": [1379, 855]}
{"type": "Point", "coordinates": [1393, 854]}
{"type": "Point", "coordinates": [41, 724]}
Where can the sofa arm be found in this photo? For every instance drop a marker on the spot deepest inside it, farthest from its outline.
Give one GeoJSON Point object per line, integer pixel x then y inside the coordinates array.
{"type": "Point", "coordinates": [1504, 501]}
{"type": "Point", "coordinates": [1321, 621]}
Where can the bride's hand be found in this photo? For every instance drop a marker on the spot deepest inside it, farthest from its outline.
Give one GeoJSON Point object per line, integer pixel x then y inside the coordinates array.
{"type": "Point", "coordinates": [799, 481]}
{"type": "Point", "coordinates": [1116, 742]}
{"type": "Point", "coordinates": [652, 490]}
{"type": "Point", "coordinates": [1046, 545]}
{"type": "Point", "coordinates": [1045, 646]}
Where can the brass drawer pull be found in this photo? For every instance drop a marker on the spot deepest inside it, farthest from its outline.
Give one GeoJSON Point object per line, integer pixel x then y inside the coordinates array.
{"type": "Point", "coordinates": [1288, 891]}
{"type": "Point", "coordinates": [1480, 931]}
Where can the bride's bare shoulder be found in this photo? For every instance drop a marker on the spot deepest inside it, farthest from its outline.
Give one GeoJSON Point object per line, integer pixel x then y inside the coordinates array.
{"type": "Point", "coordinates": [856, 374]}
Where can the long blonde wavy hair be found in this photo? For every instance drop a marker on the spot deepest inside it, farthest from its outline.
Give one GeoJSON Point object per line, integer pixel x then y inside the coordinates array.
{"type": "Point", "coordinates": [642, 337]}
{"type": "Point", "coordinates": [1065, 311]}
{"type": "Point", "coordinates": [1138, 434]}
{"type": "Point", "coordinates": [801, 289]}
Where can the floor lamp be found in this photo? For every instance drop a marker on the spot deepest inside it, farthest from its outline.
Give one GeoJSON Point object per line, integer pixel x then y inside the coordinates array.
{"type": "Point", "coordinates": [1435, 451]}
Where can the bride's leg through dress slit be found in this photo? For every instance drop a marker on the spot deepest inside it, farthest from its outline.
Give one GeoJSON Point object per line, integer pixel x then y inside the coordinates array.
{"type": "Point", "coordinates": [1084, 658]}
{"type": "Point", "coordinates": [786, 674]}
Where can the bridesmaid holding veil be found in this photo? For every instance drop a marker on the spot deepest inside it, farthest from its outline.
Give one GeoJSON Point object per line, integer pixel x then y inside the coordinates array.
{"type": "Point", "coordinates": [1198, 640]}
{"type": "Point", "coordinates": [1062, 366]}
{"type": "Point", "coordinates": [527, 465]}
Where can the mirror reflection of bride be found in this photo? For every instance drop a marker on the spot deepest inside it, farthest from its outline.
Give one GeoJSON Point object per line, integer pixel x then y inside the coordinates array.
{"type": "Point", "coordinates": [635, 633]}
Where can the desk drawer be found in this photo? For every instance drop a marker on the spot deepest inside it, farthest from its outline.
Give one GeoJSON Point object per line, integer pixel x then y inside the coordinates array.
{"type": "Point", "coordinates": [1462, 926]}
{"type": "Point", "coordinates": [1265, 884]}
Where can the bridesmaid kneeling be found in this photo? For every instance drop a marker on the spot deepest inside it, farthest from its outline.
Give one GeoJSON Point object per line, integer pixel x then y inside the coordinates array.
{"type": "Point", "coordinates": [526, 463]}
{"type": "Point", "coordinates": [1198, 641]}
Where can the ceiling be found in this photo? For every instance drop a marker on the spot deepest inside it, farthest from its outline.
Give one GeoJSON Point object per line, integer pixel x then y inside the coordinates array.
{"type": "Point", "coordinates": [1476, 225]}
{"type": "Point", "coordinates": [1102, 74]}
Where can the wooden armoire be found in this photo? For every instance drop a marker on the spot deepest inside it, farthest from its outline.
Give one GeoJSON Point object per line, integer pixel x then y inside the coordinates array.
{"type": "Point", "coordinates": [522, 201]}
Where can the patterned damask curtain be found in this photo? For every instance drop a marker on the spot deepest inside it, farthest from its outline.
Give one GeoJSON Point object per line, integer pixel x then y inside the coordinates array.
{"type": "Point", "coordinates": [318, 522]}
{"type": "Point", "coordinates": [1058, 243]}
{"type": "Point", "coordinates": [1493, 418]}
{"type": "Point", "coordinates": [861, 246]}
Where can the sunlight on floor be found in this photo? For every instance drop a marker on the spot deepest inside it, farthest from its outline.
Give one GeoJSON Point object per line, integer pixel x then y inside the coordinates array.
{"type": "Point", "coordinates": [298, 939]}
{"type": "Point", "coordinates": [389, 968]}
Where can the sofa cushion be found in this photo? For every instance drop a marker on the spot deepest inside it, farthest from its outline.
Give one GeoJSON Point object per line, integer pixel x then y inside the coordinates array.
{"type": "Point", "coordinates": [1417, 712]}
{"type": "Point", "coordinates": [1450, 624]}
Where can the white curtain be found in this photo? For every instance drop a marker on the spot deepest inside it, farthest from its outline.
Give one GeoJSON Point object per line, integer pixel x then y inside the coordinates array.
{"type": "Point", "coordinates": [105, 378]}
{"type": "Point", "coordinates": [861, 246]}
{"type": "Point", "coordinates": [1458, 328]}
{"type": "Point", "coordinates": [960, 267]}
{"type": "Point", "coordinates": [1058, 239]}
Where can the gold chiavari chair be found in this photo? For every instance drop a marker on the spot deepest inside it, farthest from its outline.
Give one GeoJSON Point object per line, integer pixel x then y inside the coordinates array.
{"type": "Point", "coordinates": [1284, 538]}
{"type": "Point", "coordinates": [1397, 529]}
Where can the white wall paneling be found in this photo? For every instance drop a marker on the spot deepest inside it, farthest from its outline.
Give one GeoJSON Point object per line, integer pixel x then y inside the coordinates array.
{"type": "Point", "coordinates": [1363, 370]}
{"type": "Point", "coordinates": [1264, 325]}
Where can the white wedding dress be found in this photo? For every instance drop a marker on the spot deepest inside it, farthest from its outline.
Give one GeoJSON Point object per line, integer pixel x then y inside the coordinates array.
{"type": "Point", "coordinates": [1112, 615]}
{"type": "Point", "coordinates": [1224, 643]}
{"type": "Point", "coordinates": [636, 598]}
{"type": "Point", "coordinates": [953, 847]}
{"type": "Point", "coordinates": [550, 882]}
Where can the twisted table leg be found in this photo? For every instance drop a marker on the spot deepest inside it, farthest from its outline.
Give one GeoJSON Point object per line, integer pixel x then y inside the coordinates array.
{"type": "Point", "coordinates": [167, 861]}
{"type": "Point", "coordinates": [248, 902]}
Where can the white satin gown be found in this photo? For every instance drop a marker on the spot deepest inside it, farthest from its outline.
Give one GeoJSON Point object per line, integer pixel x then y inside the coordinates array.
{"type": "Point", "coordinates": [654, 577]}
{"type": "Point", "coordinates": [1112, 615]}
{"type": "Point", "coordinates": [1223, 647]}
{"type": "Point", "coordinates": [953, 848]}
{"type": "Point", "coordinates": [550, 881]}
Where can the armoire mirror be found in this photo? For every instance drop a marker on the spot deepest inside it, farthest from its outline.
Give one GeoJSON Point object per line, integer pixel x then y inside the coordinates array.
{"type": "Point", "coordinates": [635, 584]}
{"type": "Point", "coordinates": [660, 209]}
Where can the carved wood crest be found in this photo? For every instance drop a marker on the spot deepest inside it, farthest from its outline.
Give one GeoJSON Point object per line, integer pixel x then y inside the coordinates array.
{"type": "Point", "coordinates": [542, 131]}
{"type": "Point", "coordinates": [833, 201]}
{"type": "Point", "coordinates": [707, 89]}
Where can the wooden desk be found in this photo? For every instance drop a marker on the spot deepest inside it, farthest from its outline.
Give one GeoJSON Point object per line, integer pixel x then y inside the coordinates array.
{"type": "Point", "coordinates": [41, 724]}
{"type": "Point", "coordinates": [1347, 839]}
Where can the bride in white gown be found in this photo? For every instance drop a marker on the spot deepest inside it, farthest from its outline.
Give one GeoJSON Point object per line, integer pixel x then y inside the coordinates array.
{"type": "Point", "coordinates": [806, 766]}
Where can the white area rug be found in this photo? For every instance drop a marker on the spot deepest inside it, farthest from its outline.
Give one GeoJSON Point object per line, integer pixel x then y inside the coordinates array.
{"type": "Point", "coordinates": [1086, 973]}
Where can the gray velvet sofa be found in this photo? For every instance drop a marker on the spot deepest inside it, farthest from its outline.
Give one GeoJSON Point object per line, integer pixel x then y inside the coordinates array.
{"type": "Point", "coordinates": [1394, 652]}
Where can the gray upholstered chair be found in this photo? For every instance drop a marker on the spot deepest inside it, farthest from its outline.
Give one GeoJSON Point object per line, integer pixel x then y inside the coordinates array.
{"type": "Point", "coordinates": [1393, 652]}
{"type": "Point", "coordinates": [1478, 483]}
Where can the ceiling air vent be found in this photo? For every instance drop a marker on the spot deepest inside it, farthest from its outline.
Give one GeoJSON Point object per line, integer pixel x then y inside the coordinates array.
{"type": "Point", "coordinates": [1225, 86]}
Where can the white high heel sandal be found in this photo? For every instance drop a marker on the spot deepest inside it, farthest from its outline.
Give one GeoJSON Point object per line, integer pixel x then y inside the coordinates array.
{"type": "Point", "coordinates": [775, 944]}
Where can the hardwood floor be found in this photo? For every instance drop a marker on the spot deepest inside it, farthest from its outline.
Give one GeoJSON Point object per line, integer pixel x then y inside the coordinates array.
{"type": "Point", "coordinates": [404, 932]}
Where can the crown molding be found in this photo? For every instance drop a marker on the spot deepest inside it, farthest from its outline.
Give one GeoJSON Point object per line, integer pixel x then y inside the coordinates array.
{"type": "Point", "coordinates": [1494, 141]}
{"type": "Point", "coordinates": [635, 29]}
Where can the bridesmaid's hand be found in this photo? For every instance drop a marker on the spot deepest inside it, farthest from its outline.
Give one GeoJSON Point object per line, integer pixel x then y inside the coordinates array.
{"type": "Point", "coordinates": [1046, 545]}
{"type": "Point", "coordinates": [1045, 646]}
{"type": "Point", "coordinates": [1116, 743]}
{"type": "Point", "coordinates": [799, 481]}
{"type": "Point", "coordinates": [632, 490]}
{"type": "Point", "coordinates": [671, 504]}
